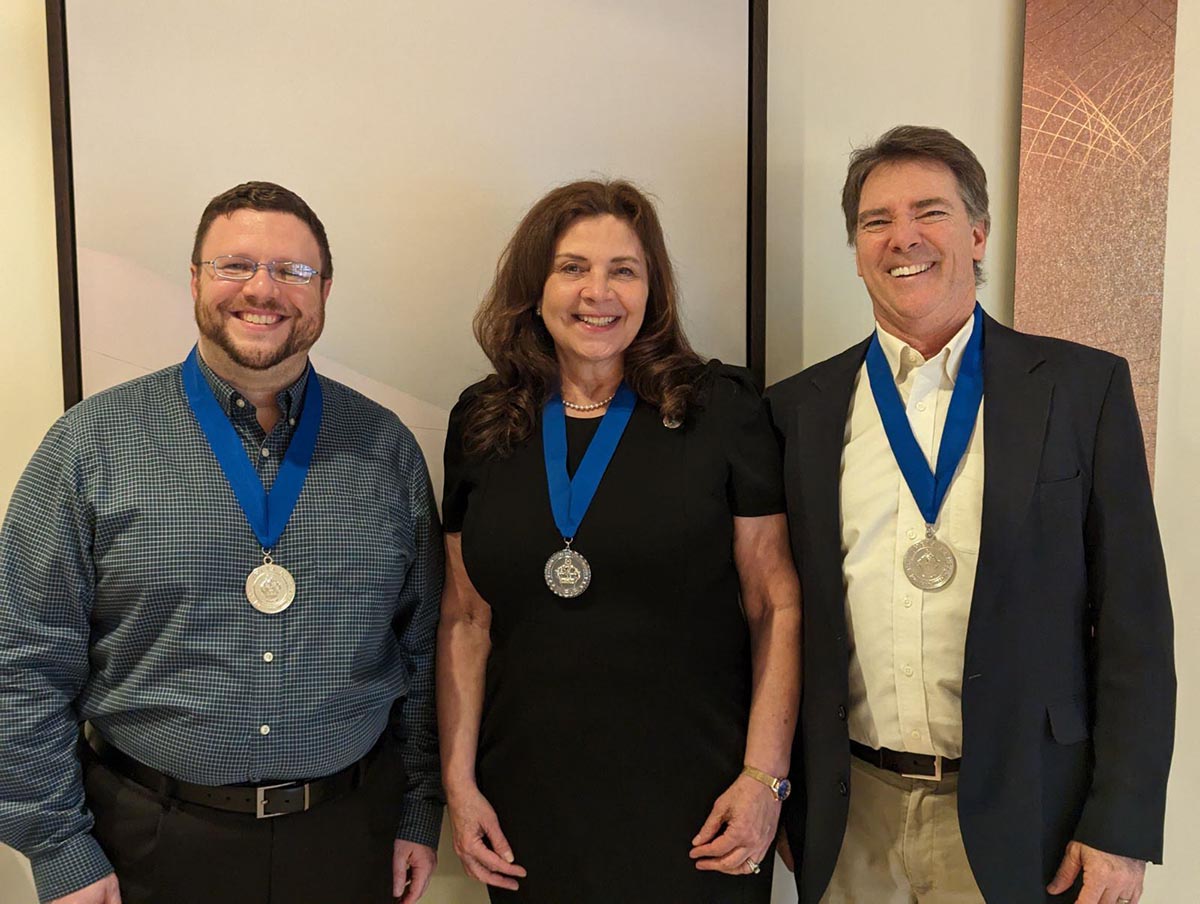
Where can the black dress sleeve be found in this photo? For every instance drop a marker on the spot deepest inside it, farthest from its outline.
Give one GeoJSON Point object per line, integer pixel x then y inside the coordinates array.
{"type": "Point", "coordinates": [755, 481]}
{"type": "Point", "coordinates": [461, 472]}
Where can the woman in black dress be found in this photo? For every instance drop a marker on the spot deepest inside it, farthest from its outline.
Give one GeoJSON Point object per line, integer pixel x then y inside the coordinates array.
{"type": "Point", "coordinates": [617, 681]}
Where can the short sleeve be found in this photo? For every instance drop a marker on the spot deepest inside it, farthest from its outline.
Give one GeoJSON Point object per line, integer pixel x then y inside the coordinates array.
{"type": "Point", "coordinates": [751, 447]}
{"type": "Point", "coordinates": [461, 474]}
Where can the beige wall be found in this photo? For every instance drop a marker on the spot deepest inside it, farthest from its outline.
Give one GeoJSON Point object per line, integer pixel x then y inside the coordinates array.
{"type": "Point", "coordinates": [30, 369]}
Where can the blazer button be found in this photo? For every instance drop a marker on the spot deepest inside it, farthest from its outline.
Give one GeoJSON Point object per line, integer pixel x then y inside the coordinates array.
{"type": "Point", "coordinates": [842, 789]}
{"type": "Point", "coordinates": [842, 713]}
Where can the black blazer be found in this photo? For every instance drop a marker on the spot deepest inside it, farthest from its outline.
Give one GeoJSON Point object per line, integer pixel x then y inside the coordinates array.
{"type": "Point", "coordinates": [1068, 677]}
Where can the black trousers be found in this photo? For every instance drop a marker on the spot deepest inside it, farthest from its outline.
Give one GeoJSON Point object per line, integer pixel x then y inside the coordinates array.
{"type": "Point", "coordinates": [168, 852]}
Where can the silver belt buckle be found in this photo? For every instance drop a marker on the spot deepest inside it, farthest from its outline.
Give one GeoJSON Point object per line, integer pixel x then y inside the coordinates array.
{"type": "Point", "coordinates": [260, 799]}
{"type": "Point", "coordinates": [937, 771]}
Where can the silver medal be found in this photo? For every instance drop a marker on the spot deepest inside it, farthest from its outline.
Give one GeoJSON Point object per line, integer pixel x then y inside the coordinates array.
{"type": "Point", "coordinates": [568, 573]}
{"type": "Point", "coordinates": [270, 588]}
{"type": "Point", "coordinates": [929, 564]}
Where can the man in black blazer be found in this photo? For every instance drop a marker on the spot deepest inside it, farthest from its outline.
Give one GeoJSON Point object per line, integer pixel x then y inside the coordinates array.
{"type": "Point", "coordinates": [989, 688]}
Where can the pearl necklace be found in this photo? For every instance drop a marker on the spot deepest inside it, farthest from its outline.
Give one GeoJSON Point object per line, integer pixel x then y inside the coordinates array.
{"type": "Point", "coordinates": [577, 407]}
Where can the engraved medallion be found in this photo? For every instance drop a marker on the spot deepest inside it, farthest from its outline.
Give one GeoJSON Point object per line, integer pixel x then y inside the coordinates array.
{"type": "Point", "coordinates": [929, 564]}
{"type": "Point", "coordinates": [672, 423]}
{"type": "Point", "coordinates": [568, 573]}
{"type": "Point", "coordinates": [270, 588]}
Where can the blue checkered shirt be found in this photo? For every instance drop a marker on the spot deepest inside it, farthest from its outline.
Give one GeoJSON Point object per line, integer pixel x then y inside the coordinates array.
{"type": "Point", "coordinates": [123, 561]}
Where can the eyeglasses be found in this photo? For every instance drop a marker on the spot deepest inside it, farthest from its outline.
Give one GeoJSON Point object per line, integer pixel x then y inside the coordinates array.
{"type": "Point", "coordinates": [230, 266]}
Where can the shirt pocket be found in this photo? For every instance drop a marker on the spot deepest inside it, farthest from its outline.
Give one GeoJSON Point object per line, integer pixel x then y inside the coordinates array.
{"type": "Point", "coordinates": [965, 515]}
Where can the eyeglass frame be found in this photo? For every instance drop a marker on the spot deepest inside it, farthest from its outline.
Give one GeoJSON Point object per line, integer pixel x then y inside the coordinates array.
{"type": "Point", "coordinates": [269, 266]}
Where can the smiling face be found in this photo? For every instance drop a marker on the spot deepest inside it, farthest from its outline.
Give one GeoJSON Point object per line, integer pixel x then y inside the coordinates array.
{"type": "Point", "coordinates": [916, 247]}
{"type": "Point", "coordinates": [259, 324]}
{"type": "Point", "coordinates": [594, 299]}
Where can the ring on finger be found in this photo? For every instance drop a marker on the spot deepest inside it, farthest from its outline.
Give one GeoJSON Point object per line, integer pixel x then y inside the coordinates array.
{"type": "Point", "coordinates": [756, 867]}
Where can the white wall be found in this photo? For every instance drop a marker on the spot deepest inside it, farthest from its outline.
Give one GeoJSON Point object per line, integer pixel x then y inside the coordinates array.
{"type": "Point", "coordinates": [840, 74]}
{"type": "Point", "coordinates": [1177, 491]}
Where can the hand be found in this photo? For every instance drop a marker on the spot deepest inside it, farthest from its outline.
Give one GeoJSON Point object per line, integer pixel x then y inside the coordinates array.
{"type": "Point", "coordinates": [785, 850]}
{"type": "Point", "coordinates": [1107, 878]}
{"type": "Point", "coordinates": [412, 866]}
{"type": "Point", "coordinates": [740, 827]}
{"type": "Point", "coordinates": [103, 892]}
{"type": "Point", "coordinates": [481, 846]}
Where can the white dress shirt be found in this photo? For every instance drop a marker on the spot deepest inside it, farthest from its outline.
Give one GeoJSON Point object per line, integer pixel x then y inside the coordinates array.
{"type": "Point", "coordinates": [906, 645]}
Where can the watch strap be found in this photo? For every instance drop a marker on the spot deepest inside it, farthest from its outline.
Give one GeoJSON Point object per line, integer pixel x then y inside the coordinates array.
{"type": "Point", "coordinates": [764, 778]}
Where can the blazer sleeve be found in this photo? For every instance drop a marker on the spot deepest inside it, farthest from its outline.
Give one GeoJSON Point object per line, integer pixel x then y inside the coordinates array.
{"type": "Point", "coordinates": [1134, 673]}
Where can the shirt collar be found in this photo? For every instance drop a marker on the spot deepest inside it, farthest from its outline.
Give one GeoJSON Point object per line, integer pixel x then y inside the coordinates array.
{"type": "Point", "coordinates": [290, 399]}
{"type": "Point", "coordinates": [902, 357]}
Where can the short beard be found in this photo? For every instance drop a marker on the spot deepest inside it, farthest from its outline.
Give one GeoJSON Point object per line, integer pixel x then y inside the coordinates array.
{"type": "Point", "coordinates": [302, 336]}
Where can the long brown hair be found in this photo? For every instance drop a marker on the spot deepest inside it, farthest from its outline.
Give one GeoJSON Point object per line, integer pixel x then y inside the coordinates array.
{"type": "Point", "coordinates": [660, 365]}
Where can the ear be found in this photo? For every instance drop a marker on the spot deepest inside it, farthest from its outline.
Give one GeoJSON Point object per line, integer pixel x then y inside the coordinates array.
{"type": "Point", "coordinates": [326, 285]}
{"type": "Point", "coordinates": [195, 282]}
{"type": "Point", "coordinates": [979, 237]}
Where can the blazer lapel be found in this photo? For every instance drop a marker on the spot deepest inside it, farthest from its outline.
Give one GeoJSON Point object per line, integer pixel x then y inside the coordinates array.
{"type": "Point", "coordinates": [821, 430]}
{"type": "Point", "coordinates": [1016, 405]}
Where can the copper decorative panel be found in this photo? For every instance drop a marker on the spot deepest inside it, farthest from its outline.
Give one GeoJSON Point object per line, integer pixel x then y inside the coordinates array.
{"type": "Point", "coordinates": [1095, 150]}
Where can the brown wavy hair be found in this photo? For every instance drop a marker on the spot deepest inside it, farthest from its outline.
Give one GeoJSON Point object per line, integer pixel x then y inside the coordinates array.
{"type": "Point", "coordinates": [660, 365]}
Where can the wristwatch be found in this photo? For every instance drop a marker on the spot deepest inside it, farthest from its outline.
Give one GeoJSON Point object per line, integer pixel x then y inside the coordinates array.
{"type": "Point", "coordinates": [780, 787]}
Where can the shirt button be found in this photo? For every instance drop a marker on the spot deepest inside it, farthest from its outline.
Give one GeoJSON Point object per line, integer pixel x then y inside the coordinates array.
{"type": "Point", "coordinates": [268, 656]}
{"type": "Point", "coordinates": [908, 670]}
{"type": "Point", "coordinates": [920, 406]}
{"type": "Point", "coordinates": [266, 453]}
{"type": "Point", "coordinates": [264, 729]}
{"type": "Point", "coordinates": [911, 533]}
{"type": "Point", "coordinates": [915, 734]}
{"type": "Point", "coordinates": [908, 602]}
{"type": "Point", "coordinates": [292, 421]}
{"type": "Point", "coordinates": [241, 403]}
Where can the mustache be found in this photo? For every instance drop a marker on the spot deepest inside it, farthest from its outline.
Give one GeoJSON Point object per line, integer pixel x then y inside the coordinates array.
{"type": "Point", "coordinates": [266, 307]}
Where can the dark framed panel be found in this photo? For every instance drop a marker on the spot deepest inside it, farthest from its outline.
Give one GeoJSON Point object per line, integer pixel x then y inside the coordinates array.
{"type": "Point", "coordinates": [64, 200]}
{"type": "Point", "coordinates": [65, 195]}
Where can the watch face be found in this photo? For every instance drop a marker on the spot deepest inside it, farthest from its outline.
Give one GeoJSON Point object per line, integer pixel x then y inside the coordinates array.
{"type": "Point", "coordinates": [785, 789]}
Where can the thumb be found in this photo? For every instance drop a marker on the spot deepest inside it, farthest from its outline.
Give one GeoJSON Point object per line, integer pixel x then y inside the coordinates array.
{"type": "Point", "coordinates": [496, 839]}
{"type": "Point", "coordinates": [711, 827]}
{"type": "Point", "coordinates": [1067, 870]}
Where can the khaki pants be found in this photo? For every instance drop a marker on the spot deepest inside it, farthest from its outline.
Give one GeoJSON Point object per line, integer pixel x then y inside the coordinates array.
{"type": "Point", "coordinates": [902, 844]}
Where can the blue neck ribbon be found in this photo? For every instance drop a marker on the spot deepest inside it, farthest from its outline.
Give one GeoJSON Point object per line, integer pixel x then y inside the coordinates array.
{"type": "Point", "coordinates": [570, 497]}
{"type": "Point", "coordinates": [928, 487]}
{"type": "Point", "coordinates": [268, 513]}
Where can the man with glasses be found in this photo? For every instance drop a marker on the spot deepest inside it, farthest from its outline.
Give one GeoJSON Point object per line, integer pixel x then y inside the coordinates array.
{"type": "Point", "coordinates": [230, 571]}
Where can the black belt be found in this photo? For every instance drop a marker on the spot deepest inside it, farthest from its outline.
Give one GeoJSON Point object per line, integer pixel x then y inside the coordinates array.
{"type": "Point", "coordinates": [930, 767]}
{"type": "Point", "coordinates": [264, 801]}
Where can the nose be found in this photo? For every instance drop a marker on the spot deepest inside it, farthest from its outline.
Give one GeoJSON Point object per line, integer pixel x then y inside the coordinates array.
{"type": "Point", "coordinates": [905, 234]}
{"type": "Point", "coordinates": [597, 286]}
{"type": "Point", "coordinates": [260, 285]}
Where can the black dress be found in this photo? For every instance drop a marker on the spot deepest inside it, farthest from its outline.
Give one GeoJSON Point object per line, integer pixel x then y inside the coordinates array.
{"type": "Point", "coordinates": [614, 720]}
